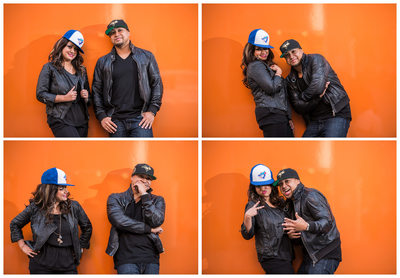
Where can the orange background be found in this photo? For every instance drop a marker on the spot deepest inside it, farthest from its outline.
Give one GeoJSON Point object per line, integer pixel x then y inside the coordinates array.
{"type": "Point", "coordinates": [99, 168]}
{"type": "Point", "coordinates": [357, 177]}
{"type": "Point", "coordinates": [358, 40]}
{"type": "Point", "coordinates": [169, 31]}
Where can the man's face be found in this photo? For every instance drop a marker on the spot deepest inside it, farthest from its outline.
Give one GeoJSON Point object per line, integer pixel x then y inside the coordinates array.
{"type": "Point", "coordinates": [140, 180]}
{"type": "Point", "coordinates": [119, 36]}
{"type": "Point", "coordinates": [288, 186]}
{"type": "Point", "coordinates": [293, 57]}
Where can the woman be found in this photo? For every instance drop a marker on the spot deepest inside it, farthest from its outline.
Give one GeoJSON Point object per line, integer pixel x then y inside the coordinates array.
{"type": "Point", "coordinates": [263, 77]}
{"type": "Point", "coordinates": [56, 247]}
{"type": "Point", "coordinates": [263, 219]}
{"type": "Point", "coordinates": [63, 86]}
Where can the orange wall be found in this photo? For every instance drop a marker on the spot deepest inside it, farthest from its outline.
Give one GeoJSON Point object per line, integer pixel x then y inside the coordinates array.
{"type": "Point", "coordinates": [358, 40]}
{"type": "Point", "coordinates": [30, 31]}
{"type": "Point", "coordinates": [357, 177]}
{"type": "Point", "coordinates": [99, 168]}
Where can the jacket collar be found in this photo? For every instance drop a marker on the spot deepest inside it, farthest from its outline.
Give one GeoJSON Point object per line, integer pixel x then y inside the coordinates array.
{"type": "Point", "coordinates": [298, 192]}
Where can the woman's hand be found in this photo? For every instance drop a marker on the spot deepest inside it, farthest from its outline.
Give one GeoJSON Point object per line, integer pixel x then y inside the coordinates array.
{"type": "Point", "coordinates": [85, 95]}
{"type": "Point", "coordinates": [253, 210]}
{"type": "Point", "coordinates": [276, 69]}
{"type": "Point", "coordinates": [26, 249]}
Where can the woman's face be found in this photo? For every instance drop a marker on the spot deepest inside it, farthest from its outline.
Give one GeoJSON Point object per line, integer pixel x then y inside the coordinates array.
{"type": "Point", "coordinates": [62, 194]}
{"type": "Point", "coordinates": [69, 52]}
{"type": "Point", "coordinates": [261, 53]}
{"type": "Point", "coordinates": [264, 190]}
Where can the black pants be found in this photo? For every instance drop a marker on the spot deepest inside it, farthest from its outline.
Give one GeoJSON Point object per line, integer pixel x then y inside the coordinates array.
{"type": "Point", "coordinates": [35, 268]}
{"type": "Point", "coordinates": [276, 266]}
{"type": "Point", "coordinates": [63, 130]}
{"type": "Point", "coordinates": [277, 130]}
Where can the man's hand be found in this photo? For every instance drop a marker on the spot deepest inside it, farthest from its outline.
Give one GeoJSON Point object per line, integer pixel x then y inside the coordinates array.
{"type": "Point", "coordinates": [293, 235]}
{"type": "Point", "coordinates": [297, 225]}
{"type": "Point", "coordinates": [326, 87]}
{"type": "Point", "coordinates": [108, 125]}
{"type": "Point", "coordinates": [147, 121]}
{"type": "Point", "coordinates": [141, 187]}
{"type": "Point", "coordinates": [85, 95]}
{"type": "Point", "coordinates": [157, 230]}
{"type": "Point", "coordinates": [291, 125]}
{"type": "Point", "coordinates": [253, 210]}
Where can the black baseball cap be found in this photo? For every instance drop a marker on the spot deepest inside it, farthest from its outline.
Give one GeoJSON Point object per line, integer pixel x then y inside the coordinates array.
{"type": "Point", "coordinates": [284, 174]}
{"type": "Point", "coordinates": [115, 24]}
{"type": "Point", "coordinates": [289, 45]}
{"type": "Point", "coordinates": [144, 169]}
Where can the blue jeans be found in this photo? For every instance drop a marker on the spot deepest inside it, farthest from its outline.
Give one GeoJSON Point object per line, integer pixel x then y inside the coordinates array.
{"type": "Point", "coordinates": [130, 128]}
{"type": "Point", "coordinates": [138, 269]}
{"type": "Point", "coordinates": [333, 127]}
{"type": "Point", "coordinates": [324, 266]}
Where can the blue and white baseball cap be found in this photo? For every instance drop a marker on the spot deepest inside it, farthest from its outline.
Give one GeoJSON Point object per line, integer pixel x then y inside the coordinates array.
{"type": "Point", "coordinates": [76, 38]}
{"type": "Point", "coordinates": [55, 176]}
{"type": "Point", "coordinates": [259, 37]}
{"type": "Point", "coordinates": [261, 175]}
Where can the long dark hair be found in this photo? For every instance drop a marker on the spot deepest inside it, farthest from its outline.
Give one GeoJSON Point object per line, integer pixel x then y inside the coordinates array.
{"type": "Point", "coordinates": [44, 197]}
{"type": "Point", "coordinates": [248, 57]}
{"type": "Point", "coordinates": [56, 57]}
{"type": "Point", "coordinates": [274, 197]}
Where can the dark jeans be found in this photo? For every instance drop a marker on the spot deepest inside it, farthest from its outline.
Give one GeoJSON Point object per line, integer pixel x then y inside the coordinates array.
{"type": "Point", "coordinates": [35, 268]}
{"type": "Point", "coordinates": [276, 266]}
{"type": "Point", "coordinates": [324, 266]}
{"type": "Point", "coordinates": [138, 269]}
{"type": "Point", "coordinates": [333, 127]}
{"type": "Point", "coordinates": [130, 128]}
{"type": "Point", "coordinates": [63, 130]}
{"type": "Point", "coordinates": [277, 130]}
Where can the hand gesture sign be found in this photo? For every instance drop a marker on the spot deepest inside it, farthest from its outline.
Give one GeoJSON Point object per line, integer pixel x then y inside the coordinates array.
{"type": "Point", "coordinates": [253, 210]}
{"type": "Point", "coordinates": [297, 225]}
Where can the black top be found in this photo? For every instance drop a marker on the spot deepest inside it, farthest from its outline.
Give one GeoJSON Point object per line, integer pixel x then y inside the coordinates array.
{"type": "Point", "coordinates": [56, 255]}
{"type": "Point", "coordinates": [323, 110]}
{"type": "Point", "coordinates": [268, 116]}
{"type": "Point", "coordinates": [135, 248]}
{"type": "Point", "coordinates": [125, 88]}
{"type": "Point", "coordinates": [76, 114]}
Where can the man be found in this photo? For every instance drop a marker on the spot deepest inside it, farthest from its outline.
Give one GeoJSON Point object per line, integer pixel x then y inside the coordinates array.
{"type": "Point", "coordinates": [314, 225]}
{"type": "Point", "coordinates": [136, 216]}
{"type": "Point", "coordinates": [127, 87]}
{"type": "Point", "coordinates": [316, 93]}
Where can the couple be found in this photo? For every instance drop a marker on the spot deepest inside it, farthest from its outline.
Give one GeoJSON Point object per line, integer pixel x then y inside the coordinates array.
{"type": "Point", "coordinates": [136, 216]}
{"type": "Point", "coordinates": [127, 87]}
{"type": "Point", "coordinates": [304, 218]}
{"type": "Point", "coordinates": [312, 87]}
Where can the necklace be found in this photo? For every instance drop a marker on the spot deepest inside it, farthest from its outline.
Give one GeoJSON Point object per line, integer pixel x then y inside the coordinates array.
{"type": "Point", "coordinates": [59, 238]}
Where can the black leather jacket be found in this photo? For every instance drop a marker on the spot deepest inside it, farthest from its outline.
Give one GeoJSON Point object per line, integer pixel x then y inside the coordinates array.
{"type": "Point", "coordinates": [150, 83]}
{"type": "Point", "coordinates": [323, 235]}
{"type": "Point", "coordinates": [153, 209]}
{"type": "Point", "coordinates": [316, 72]}
{"type": "Point", "coordinates": [268, 89]}
{"type": "Point", "coordinates": [41, 231]}
{"type": "Point", "coordinates": [52, 83]}
{"type": "Point", "coordinates": [268, 231]}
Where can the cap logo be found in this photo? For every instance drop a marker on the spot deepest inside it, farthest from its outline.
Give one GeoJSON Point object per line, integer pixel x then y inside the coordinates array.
{"type": "Point", "coordinates": [262, 175]}
{"type": "Point", "coordinates": [80, 41]}
{"type": "Point", "coordinates": [147, 168]}
{"type": "Point", "coordinates": [285, 45]}
{"type": "Point", "coordinates": [265, 39]}
{"type": "Point", "coordinates": [280, 174]}
{"type": "Point", "coordinates": [114, 22]}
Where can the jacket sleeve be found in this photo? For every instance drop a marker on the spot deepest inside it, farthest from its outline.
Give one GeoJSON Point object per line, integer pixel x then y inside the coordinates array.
{"type": "Point", "coordinates": [43, 93]}
{"type": "Point", "coordinates": [248, 235]}
{"type": "Point", "coordinates": [19, 222]}
{"type": "Point", "coordinates": [299, 105]}
{"type": "Point", "coordinates": [259, 76]}
{"type": "Point", "coordinates": [87, 87]}
{"type": "Point", "coordinates": [319, 72]}
{"type": "Point", "coordinates": [320, 212]}
{"type": "Point", "coordinates": [116, 216]}
{"type": "Point", "coordinates": [97, 91]}
{"type": "Point", "coordinates": [154, 213]}
{"type": "Point", "coordinates": [156, 85]}
{"type": "Point", "coordinates": [85, 225]}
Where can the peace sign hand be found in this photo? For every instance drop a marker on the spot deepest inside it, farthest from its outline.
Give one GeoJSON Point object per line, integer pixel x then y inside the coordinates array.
{"type": "Point", "coordinates": [253, 210]}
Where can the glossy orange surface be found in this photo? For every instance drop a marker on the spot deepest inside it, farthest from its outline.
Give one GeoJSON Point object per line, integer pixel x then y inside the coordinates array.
{"type": "Point", "coordinates": [30, 31]}
{"type": "Point", "coordinates": [97, 169]}
{"type": "Point", "coordinates": [358, 178]}
{"type": "Point", "coordinates": [358, 40]}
